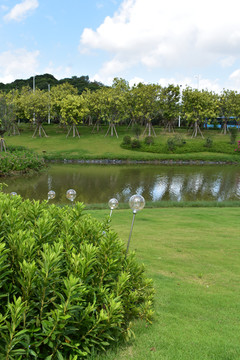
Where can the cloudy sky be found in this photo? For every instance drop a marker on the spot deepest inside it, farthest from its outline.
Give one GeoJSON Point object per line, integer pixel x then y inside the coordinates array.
{"type": "Point", "coordinates": [195, 43]}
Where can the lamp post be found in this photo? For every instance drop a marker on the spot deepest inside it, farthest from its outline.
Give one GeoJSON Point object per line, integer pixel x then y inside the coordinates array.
{"type": "Point", "coordinates": [136, 203]}
{"type": "Point", "coordinates": [51, 195]}
{"type": "Point", "coordinates": [113, 204]}
{"type": "Point", "coordinates": [180, 103]}
{"type": "Point", "coordinates": [71, 194]}
{"type": "Point", "coordinates": [49, 105]}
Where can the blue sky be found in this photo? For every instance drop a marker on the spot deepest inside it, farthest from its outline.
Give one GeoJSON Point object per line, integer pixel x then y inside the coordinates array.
{"type": "Point", "coordinates": [195, 43]}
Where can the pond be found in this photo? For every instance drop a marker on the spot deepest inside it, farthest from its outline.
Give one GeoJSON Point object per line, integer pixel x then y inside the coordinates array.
{"type": "Point", "coordinates": [99, 183]}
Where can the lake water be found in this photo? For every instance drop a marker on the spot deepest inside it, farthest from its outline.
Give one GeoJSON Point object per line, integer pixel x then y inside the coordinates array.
{"type": "Point", "coordinates": [99, 183]}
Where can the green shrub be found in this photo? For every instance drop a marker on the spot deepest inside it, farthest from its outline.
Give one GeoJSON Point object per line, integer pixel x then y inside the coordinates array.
{"type": "Point", "coordinates": [171, 144]}
{"type": "Point", "coordinates": [66, 287]}
{"type": "Point", "coordinates": [233, 134]}
{"type": "Point", "coordinates": [149, 140]}
{"type": "Point", "coordinates": [135, 144]}
{"type": "Point", "coordinates": [174, 142]}
{"type": "Point", "coordinates": [126, 140]}
{"type": "Point", "coordinates": [22, 160]}
{"type": "Point", "coordinates": [208, 142]}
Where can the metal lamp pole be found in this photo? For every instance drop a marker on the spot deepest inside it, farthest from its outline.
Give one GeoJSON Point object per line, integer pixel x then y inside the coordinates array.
{"type": "Point", "coordinates": [136, 203]}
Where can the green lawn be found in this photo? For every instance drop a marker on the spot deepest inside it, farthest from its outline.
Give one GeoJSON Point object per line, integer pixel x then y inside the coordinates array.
{"type": "Point", "coordinates": [192, 254]}
{"type": "Point", "coordinates": [97, 146]}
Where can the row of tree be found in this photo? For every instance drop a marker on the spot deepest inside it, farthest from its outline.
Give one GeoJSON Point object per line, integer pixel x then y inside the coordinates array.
{"type": "Point", "coordinates": [142, 104]}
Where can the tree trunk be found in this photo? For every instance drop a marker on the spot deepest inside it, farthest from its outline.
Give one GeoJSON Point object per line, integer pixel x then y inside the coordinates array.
{"type": "Point", "coordinates": [74, 130]}
{"type": "Point", "coordinates": [196, 130]}
{"type": "Point", "coordinates": [150, 129]}
{"type": "Point", "coordinates": [112, 128]}
{"type": "Point", "coordinates": [39, 128]}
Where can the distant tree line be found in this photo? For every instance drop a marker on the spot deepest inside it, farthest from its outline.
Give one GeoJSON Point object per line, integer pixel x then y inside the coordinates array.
{"type": "Point", "coordinates": [43, 81]}
{"type": "Point", "coordinates": [142, 105]}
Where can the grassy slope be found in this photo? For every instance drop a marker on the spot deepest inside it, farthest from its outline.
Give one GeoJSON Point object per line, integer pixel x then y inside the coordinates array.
{"type": "Point", "coordinates": [193, 257]}
{"type": "Point", "coordinates": [97, 146]}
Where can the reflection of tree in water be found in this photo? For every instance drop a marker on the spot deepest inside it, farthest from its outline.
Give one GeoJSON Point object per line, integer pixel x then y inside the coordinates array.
{"type": "Point", "coordinates": [98, 183]}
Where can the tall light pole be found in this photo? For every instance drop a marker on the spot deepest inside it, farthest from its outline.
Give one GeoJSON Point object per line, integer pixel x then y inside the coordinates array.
{"type": "Point", "coordinates": [198, 80]}
{"type": "Point", "coordinates": [34, 92]}
{"type": "Point", "coordinates": [49, 105]}
{"type": "Point", "coordinates": [180, 103]}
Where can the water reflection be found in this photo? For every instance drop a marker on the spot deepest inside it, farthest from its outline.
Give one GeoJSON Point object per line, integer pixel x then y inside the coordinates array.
{"type": "Point", "coordinates": [99, 183]}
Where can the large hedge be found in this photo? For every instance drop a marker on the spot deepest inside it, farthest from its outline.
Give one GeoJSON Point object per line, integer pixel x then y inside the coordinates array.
{"type": "Point", "coordinates": [19, 159]}
{"type": "Point", "coordinates": [66, 288]}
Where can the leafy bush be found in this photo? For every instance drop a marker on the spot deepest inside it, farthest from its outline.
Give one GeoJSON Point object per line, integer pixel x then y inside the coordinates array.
{"type": "Point", "coordinates": [19, 161]}
{"type": "Point", "coordinates": [149, 140]}
{"type": "Point", "coordinates": [208, 142]}
{"type": "Point", "coordinates": [126, 140]}
{"type": "Point", "coordinates": [175, 141]}
{"type": "Point", "coordinates": [65, 285]}
{"type": "Point", "coordinates": [135, 144]}
{"type": "Point", "coordinates": [233, 134]}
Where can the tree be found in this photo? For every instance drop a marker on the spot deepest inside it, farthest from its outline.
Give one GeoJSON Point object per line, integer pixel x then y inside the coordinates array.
{"type": "Point", "coordinates": [147, 104]}
{"type": "Point", "coordinates": [57, 94]}
{"type": "Point", "coordinates": [228, 107]}
{"type": "Point", "coordinates": [198, 107]}
{"type": "Point", "coordinates": [112, 104]}
{"type": "Point", "coordinates": [35, 105]}
{"type": "Point", "coordinates": [170, 108]}
{"type": "Point", "coordinates": [11, 105]}
{"type": "Point", "coordinates": [73, 110]}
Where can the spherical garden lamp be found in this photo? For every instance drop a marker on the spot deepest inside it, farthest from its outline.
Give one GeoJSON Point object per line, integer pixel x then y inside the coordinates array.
{"type": "Point", "coordinates": [51, 195]}
{"type": "Point", "coordinates": [71, 195]}
{"type": "Point", "coordinates": [113, 204]}
{"type": "Point", "coordinates": [136, 203]}
{"type": "Point", "coordinates": [13, 193]}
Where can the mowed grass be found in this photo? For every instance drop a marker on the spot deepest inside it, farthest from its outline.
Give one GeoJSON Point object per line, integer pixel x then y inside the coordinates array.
{"type": "Point", "coordinates": [98, 146]}
{"type": "Point", "coordinates": [192, 255]}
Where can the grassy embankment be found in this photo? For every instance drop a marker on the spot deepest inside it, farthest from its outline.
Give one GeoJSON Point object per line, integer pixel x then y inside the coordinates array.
{"type": "Point", "coordinates": [193, 257]}
{"type": "Point", "coordinates": [97, 146]}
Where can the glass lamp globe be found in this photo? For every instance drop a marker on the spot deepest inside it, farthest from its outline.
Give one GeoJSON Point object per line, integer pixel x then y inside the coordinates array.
{"type": "Point", "coordinates": [13, 193]}
{"type": "Point", "coordinates": [113, 203]}
{"type": "Point", "coordinates": [71, 194]}
{"type": "Point", "coordinates": [51, 195]}
{"type": "Point", "coordinates": [136, 203]}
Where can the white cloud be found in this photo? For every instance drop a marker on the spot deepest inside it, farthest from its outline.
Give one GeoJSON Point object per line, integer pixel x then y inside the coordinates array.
{"type": "Point", "coordinates": [59, 72]}
{"type": "Point", "coordinates": [228, 61]}
{"type": "Point", "coordinates": [193, 82]}
{"type": "Point", "coordinates": [21, 10]}
{"type": "Point", "coordinates": [159, 34]}
{"type": "Point", "coordinates": [17, 64]}
{"type": "Point", "coordinates": [136, 80]}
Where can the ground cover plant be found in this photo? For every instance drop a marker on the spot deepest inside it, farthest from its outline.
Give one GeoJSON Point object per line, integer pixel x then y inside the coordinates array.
{"type": "Point", "coordinates": [19, 159]}
{"type": "Point", "coordinates": [66, 285]}
{"type": "Point", "coordinates": [97, 146]}
{"type": "Point", "coordinates": [192, 255]}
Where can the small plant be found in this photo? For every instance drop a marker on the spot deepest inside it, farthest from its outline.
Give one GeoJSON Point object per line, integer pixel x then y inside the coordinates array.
{"type": "Point", "coordinates": [137, 130]}
{"type": "Point", "coordinates": [135, 144]}
{"type": "Point", "coordinates": [149, 140]}
{"type": "Point", "coordinates": [208, 142]}
{"type": "Point", "coordinates": [126, 140]}
{"type": "Point", "coordinates": [171, 144]}
{"type": "Point", "coordinates": [233, 134]}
